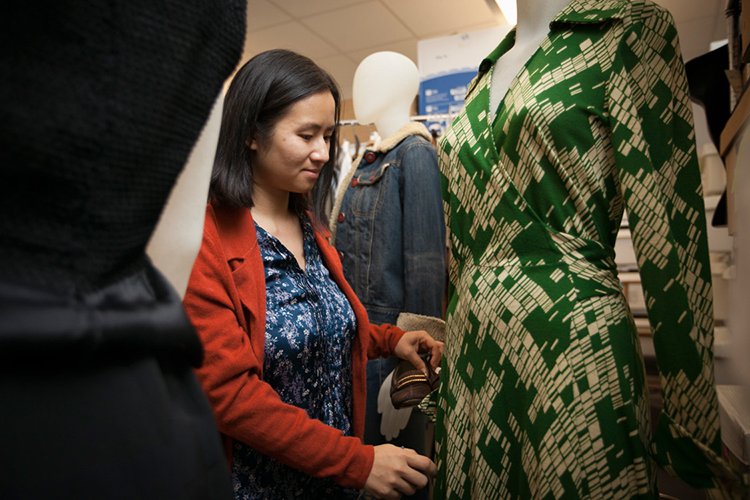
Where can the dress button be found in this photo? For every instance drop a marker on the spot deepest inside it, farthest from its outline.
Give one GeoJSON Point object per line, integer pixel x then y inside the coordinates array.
{"type": "Point", "coordinates": [370, 157]}
{"type": "Point", "coordinates": [341, 217]}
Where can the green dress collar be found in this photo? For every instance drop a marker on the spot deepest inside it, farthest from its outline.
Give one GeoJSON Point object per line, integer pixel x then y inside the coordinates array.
{"type": "Point", "coordinates": [576, 12]}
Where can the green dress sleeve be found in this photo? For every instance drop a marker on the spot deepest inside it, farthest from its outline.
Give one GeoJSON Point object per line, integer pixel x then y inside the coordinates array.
{"type": "Point", "coordinates": [654, 145]}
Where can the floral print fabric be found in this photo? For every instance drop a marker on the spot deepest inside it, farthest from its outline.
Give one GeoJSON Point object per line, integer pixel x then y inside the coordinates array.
{"type": "Point", "coordinates": [310, 327]}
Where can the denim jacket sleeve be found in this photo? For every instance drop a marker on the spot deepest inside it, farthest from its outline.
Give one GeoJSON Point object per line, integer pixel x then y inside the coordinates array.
{"type": "Point", "coordinates": [423, 230]}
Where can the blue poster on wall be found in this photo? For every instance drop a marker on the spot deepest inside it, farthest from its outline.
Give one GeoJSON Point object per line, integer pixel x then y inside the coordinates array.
{"type": "Point", "coordinates": [444, 94]}
{"type": "Point", "coordinates": [446, 66]}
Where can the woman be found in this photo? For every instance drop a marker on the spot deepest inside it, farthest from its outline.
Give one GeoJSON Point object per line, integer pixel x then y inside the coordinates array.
{"type": "Point", "coordinates": [286, 339]}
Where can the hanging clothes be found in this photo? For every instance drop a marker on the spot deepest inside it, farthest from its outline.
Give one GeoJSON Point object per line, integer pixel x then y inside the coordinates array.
{"type": "Point", "coordinates": [388, 226]}
{"type": "Point", "coordinates": [544, 392]}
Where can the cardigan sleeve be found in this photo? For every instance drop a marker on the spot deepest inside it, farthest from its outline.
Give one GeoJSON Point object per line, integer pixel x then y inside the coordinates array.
{"type": "Point", "coordinates": [247, 409]}
{"type": "Point", "coordinates": [653, 140]}
{"type": "Point", "coordinates": [383, 340]}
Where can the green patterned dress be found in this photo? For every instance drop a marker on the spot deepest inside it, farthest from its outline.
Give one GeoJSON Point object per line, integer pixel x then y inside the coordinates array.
{"type": "Point", "coordinates": [544, 392]}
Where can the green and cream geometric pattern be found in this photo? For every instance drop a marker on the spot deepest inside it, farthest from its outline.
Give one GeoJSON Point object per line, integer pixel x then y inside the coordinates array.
{"type": "Point", "coordinates": [544, 392]}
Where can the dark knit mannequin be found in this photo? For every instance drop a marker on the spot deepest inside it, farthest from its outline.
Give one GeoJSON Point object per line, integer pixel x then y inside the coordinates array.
{"type": "Point", "coordinates": [101, 106]}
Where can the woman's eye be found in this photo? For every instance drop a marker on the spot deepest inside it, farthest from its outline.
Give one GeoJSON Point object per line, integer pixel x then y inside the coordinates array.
{"type": "Point", "coordinates": [306, 137]}
{"type": "Point", "coordinates": [328, 138]}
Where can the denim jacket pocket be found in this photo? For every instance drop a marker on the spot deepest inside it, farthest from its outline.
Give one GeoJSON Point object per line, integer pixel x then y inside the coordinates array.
{"type": "Point", "coordinates": [368, 191]}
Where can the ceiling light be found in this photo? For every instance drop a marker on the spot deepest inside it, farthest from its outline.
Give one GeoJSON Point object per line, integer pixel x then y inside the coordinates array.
{"type": "Point", "coordinates": [505, 7]}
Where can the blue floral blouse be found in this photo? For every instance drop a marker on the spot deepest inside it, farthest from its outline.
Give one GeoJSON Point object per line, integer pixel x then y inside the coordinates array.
{"type": "Point", "coordinates": [310, 327]}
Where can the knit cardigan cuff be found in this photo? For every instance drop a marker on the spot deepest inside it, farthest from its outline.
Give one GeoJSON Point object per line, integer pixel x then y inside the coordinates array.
{"type": "Point", "coordinates": [358, 470]}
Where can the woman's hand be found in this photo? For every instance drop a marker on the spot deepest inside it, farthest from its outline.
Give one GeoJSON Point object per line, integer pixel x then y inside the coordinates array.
{"type": "Point", "coordinates": [398, 471]}
{"type": "Point", "coordinates": [414, 342]}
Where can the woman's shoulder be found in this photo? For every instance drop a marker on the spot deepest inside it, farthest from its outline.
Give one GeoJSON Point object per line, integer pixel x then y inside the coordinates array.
{"type": "Point", "coordinates": [225, 217]}
{"type": "Point", "coordinates": [232, 227]}
{"type": "Point", "coordinates": [210, 223]}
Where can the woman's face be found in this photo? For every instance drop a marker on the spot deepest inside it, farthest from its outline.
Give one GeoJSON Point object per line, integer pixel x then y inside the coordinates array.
{"type": "Point", "coordinates": [291, 159]}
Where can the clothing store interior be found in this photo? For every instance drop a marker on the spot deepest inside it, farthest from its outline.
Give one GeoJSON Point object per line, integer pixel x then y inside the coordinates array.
{"type": "Point", "coordinates": [432, 249]}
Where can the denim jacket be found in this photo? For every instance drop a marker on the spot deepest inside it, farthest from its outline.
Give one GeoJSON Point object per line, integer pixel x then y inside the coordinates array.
{"type": "Point", "coordinates": [388, 226]}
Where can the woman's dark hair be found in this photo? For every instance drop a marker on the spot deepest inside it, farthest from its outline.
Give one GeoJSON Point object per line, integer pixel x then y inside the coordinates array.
{"type": "Point", "coordinates": [261, 93]}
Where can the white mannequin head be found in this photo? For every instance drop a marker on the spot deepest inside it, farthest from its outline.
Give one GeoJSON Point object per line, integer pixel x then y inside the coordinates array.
{"type": "Point", "coordinates": [383, 90]}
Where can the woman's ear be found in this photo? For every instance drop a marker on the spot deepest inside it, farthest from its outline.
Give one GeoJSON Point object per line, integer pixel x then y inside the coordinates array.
{"type": "Point", "coordinates": [252, 144]}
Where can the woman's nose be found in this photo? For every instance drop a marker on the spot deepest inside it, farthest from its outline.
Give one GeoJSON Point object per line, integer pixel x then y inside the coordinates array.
{"type": "Point", "coordinates": [320, 152]}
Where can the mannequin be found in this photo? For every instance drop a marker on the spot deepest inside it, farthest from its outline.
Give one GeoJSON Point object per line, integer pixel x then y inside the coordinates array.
{"type": "Point", "coordinates": [177, 237]}
{"type": "Point", "coordinates": [532, 27]}
{"type": "Point", "coordinates": [543, 393]}
{"type": "Point", "coordinates": [383, 90]}
{"type": "Point", "coordinates": [387, 223]}
{"type": "Point", "coordinates": [385, 102]}
{"type": "Point", "coordinates": [101, 111]}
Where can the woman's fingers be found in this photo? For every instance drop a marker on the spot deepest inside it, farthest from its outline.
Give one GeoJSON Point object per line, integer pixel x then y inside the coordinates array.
{"type": "Point", "coordinates": [427, 342]}
{"type": "Point", "coordinates": [414, 472]}
{"type": "Point", "coordinates": [392, 473]}
{"type": "Point", "coordinates": [415, 341]}
{"type": "Point", "coordinates": [421, 464]}
{"type": "Point", "coordinates": [415, 359]}
{"type": "Point", "coordinates": [436, 353]}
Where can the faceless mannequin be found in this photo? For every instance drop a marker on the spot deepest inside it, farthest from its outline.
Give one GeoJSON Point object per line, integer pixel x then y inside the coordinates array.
{"type": "Point", "coordinates": [177, 237]}
{"type": "Point", "coordinates": [534, 17]}
{"type": "Point", "coordinates": [383, 90]}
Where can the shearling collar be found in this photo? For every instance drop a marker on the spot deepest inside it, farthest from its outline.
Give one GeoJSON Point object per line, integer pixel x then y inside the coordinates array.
{"type": "Point", "coordinates": [409, 129]}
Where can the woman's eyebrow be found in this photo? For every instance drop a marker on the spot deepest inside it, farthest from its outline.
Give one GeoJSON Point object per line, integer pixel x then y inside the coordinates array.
{"type": "Point", "coordinates": [316, 126]}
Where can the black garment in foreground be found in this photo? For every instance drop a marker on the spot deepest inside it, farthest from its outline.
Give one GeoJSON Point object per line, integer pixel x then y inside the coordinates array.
{"type": "Point", "coordinates": [126, 428]}
{"type": "Point", "coordinates": [709, 87]}
{"type": "Point", "coordinates": [101, 104]}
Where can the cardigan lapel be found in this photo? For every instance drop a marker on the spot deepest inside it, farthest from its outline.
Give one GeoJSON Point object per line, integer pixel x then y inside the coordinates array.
{"type": "Point", "coordinates": [360, 346]}
{"type": "Point", "coordinates": [240, 243]}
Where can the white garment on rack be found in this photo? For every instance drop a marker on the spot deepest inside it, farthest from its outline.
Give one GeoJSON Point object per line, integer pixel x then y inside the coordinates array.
{"type": "Point", "coordinates": [345, 161]}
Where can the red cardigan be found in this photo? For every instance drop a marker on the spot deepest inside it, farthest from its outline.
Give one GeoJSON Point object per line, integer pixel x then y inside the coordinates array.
{"type": "Point", "coordinates": [226, 302]}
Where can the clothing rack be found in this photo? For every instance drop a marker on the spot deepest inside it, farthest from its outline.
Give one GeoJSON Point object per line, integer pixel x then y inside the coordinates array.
{"type": "Point", "coordinates": [414, 118]}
